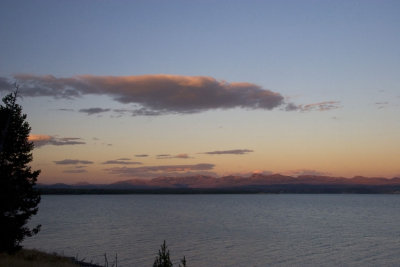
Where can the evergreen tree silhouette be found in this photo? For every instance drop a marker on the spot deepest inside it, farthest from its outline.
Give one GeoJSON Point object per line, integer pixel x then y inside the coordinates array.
{"type": "Point", "coordinates": [163, 260]}
{"type": "Point", "coordinates": [18, 197]}
{"type": "Point", "coordinates": [183, 261]}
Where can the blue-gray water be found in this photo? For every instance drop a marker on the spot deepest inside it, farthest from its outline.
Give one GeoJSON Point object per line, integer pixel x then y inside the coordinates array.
{"type": "Point", "coordinates": [224, 230]}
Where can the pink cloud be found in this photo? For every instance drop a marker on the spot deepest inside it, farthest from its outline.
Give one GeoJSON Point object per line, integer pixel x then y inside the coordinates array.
{"type": "Point", "coordinates": [40, 140]}
{"type": "Point", "coordinates": [157, 94]}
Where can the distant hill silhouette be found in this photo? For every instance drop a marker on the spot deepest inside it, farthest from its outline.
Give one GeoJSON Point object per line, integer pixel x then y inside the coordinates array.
{"type": "Point", "coordinates": [256, 183]}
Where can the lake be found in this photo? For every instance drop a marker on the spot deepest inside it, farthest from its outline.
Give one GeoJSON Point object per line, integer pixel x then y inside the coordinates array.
{"type": "Point", "coordinates": [223, 230]}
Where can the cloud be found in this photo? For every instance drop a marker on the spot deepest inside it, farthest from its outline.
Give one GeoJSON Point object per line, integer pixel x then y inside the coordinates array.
{"type": "Point", "coordinates": [146, 112]}
{"type": "Point", "coordinates": [80, 166]}
{"type": "Point", "coordinates": [140, 112]}
{"type": "Point", "coordinates": [262, 172]}
{"type": "Point", "coordinates": [178, 156]}
{"type": "Point", "coordinates": [306, 172]}
{"type": "Point", "coordinates": [40, 140]}
{"type": "Point", "coordinates": [291, 107]}
{"type": "Point", "coordinates": [91, 111]}
{"type": "Point", "coordinates": [382, 105]}
{"type": "Point", "coordinates": [65, 109]}
{"type": "Point", "coordinates": [163, 155]}
{"type": "Point", "coordinates": [156, 94]}
{"type": "Point", "coordinates": [122, 162]}
{"type": "Point", "coordinates": [141, 155]}
{"type": "Point", "coordinates": [182, 156]}
{"type": "Point", "coordinates": [72, 162]}
{"type": "Point", "coordinates": [5, 85]}
{"type": "Point", "coordinates": [321, 106]}
{"type": "Point", "coordinates": [233, 152]}
{"type": "Point", "coordinates": [151, 171]}
{"type": "Point", "coordinates": [75, 171]}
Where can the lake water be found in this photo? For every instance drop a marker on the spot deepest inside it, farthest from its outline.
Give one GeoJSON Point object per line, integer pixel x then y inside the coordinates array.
{"type": "Point", "coordinates": [224, 230]}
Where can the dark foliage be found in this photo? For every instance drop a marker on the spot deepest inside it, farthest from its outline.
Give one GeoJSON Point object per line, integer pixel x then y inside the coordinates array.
{"type": "Point", "coordinates": [18, 197]}
{"type": "Point", "coordinates": [183, 261]}
{"type": "Point", "coordinates": [163, 260]}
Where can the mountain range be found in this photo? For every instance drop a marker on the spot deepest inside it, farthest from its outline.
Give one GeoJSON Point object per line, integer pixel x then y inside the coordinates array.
{"type": "Point", "coordinates": [202, 181]}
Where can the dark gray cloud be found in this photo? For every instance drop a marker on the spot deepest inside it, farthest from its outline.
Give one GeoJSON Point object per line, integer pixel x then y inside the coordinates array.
{"type": "Point", "coordinates": [91, 111]}
{"type": "Point", "coordinates": [147, 112]}
{"type": "Point", "coordinates": [382, 105]}
{"type": "Point", "coordinates": [65, 109]}
{"type": "Point", "coordinates": [141, 155]}
{"type": "Point", "coordinates": [75, 171]}
{"type": "Point", "coordinates": [233, 152]}
{"type": "Point", "coordinates": [6, 85]}
{"type": "Point", "coordinates": [321, 106]}
{"type": "Point", "coordinates": [72, 162]}
{"type": "Point", "coordinates": [291, 107]}
{"type": "Point", "coordinates": [122, 162]}
{"type": "Point", "coordinates": [43, 140]}
{"type": "Point", "coordinates": [178, 156]}
{"type": "Point", "coordinates": [141, 112]}
{"type": "Point", "coordinates": [151, 171]}
{"type": "Point", "coordinates": [156, 94]}
{"type": "Point", "coordinates": [80, 166]}
{"type": "Point", "coordinates": [163, 155]}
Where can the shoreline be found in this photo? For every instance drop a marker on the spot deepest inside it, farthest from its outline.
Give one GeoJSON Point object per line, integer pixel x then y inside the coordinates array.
{"type": "Point", "coordinates": [38, 258]}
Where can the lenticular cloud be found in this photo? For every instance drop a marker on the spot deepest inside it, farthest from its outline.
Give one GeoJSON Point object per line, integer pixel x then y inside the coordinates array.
{"type": "Point", "coordinates": [162, 93]}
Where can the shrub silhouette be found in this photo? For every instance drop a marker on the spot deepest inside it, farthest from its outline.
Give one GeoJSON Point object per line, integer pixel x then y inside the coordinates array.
{"type": "Point", "coordinates": [163, 259]}
{"type": "Point", "coordinates": [18, 196]}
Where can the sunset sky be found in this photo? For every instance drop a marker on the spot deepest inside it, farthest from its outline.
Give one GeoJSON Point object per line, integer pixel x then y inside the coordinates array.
{"type": "Point", "coordinates": [116, 90]}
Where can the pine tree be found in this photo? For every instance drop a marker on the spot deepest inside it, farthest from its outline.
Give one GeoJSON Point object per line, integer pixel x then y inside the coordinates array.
{"type": "Point", "coordinates": [183, 261]}
{"type": "Point", "coordinates": [19, 198]}
{"type": "Point", "coordinates": [163, 260]}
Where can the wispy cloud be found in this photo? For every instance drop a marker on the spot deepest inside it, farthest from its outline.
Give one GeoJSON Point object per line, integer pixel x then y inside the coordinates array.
{"type": "Point", "coordinates": [5, 84]}
{"type": "Point", "coordinates": [291, 107]}
{"type": "Point", "coordinates": [163, 155]}
{"type": "Point", "coordinates": [301, 172]}
{"type": "Point", "coordinates": [232, 152]}
{"type": "Point", "coordinates": [382, 105]}
{"type": "Point", "coordinates": [72, 162]}
{"type": "Point", "coordinates": [321, 106]}
{"type": "Point", "coordinates": [76, 171]}
{"type": "Point", "coordinates": [40, 140]}
{"type": "Point", "coordinates": [91, 111]}
{"type": "Point", "coordinates": [123, 161]}
{"type": "Point", "coordinates": [157, 94]}
{"type": "Point", "coordinates": [178, 156]}
{"type": "Point", "coordinates": [141, 155]}
{"type": "Point", "coordinates": [151, 171]}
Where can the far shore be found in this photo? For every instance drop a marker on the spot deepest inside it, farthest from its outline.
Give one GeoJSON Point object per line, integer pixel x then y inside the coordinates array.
{"type": "Point", "coordinates": [269, 189]}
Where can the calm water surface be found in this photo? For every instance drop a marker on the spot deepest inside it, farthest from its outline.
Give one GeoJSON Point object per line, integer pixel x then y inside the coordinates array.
{"type": "Point", "coordinates": [224, 230]}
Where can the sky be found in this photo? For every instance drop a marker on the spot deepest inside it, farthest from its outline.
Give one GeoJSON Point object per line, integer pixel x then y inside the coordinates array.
{"type": "Point", "coordinates": [118, 90]}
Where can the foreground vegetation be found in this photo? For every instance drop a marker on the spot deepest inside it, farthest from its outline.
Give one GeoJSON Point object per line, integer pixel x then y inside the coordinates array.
{"type": "Point", "coordinates": [19, 197]}
{"type": "Point", "coordinates": [35, 258]}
